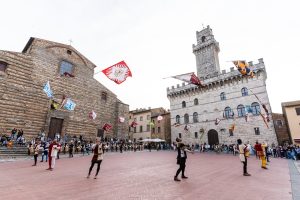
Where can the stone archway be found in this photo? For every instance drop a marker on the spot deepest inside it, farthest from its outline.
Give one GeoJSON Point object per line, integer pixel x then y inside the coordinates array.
{"type": "Point", "coordinates": [213, 137]}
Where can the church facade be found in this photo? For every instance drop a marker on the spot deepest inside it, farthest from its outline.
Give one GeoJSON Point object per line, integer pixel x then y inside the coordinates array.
{"type": "Point", "coordinates": [216, 113]}
{"type": "Point", "coordinates": [24, 104]}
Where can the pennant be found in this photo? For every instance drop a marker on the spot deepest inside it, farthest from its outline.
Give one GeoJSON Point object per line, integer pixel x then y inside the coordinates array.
{"type": "Point", "coordinates": [118, 72]}
{"type": "Point", "coordinates": [189, 78]}
{"type": "Point", "coordinates": [121, 119]}
{"type": "Point", "coordinates": [48, 90]}
{"type": "Point", "coordinates": [92, 115]}
{"type": "Point", "coordinates": [54, 105]}
{"type": "Point", "coordinates": [107, 127]}
{"type": "Point", "coordinates": [133, 124]}
{"type": "Point", "coordinates": [243, 68]}
{"type": "Point", "coordinates": [159, 118]}
{"type": "Point", "coordinates": [217, 121]}
{"type": "Point", "coordinates": [69, 105]}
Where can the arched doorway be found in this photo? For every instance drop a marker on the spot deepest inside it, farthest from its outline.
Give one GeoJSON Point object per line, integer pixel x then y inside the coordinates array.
{"type": "Point", "coordinates": [213, 137]}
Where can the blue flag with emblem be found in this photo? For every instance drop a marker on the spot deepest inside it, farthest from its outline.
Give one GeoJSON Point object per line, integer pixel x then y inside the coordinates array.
{"type": "Point", "coordinates": [48, 90]}
{"type": "Point", "coordinates": [70, 105]}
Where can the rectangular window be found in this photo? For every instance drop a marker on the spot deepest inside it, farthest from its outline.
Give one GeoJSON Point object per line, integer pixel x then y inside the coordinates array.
{"type": "Point", "coordinates": [256, 130]}
{"type": "Point", "coordinates": [66, 68]}
{"type": "Point", "coordinates": [148, 127]}
{"type": "Point", "coordinates": [279, 123]}
{"type": "Point", "coordinates": [141, 128]}
{"type": "Point", "coordinates": [148, 117]}
{"type": "Point", "coordinates": [134, 129]}
{"type": "Point", "coordinates": [179, 135]}
{"type": "Point", "coordinates": [130, 117]}
{"type": "Point", "coordinates": [153, 130]}
{"type": "Point", "coordinates": [104, 96]}
{"type": "Point", "coordinates": [129, 129]}
{"type": "Point", "coordinates": [158, 130]}
{"type": "Point", "coordinates": [141, 118]}
{"type": "Point", "coordinates": [230, 132]}
{"type": "Point", "coordinates": [196, 134]}
{"type": "Point", "coordinates": [3, 66]}
{"type": "Point", "coordinates": [298, 111]}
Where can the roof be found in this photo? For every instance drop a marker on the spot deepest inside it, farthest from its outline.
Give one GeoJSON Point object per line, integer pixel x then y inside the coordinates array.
{"type": "Point", "coordinates": [290, 103]}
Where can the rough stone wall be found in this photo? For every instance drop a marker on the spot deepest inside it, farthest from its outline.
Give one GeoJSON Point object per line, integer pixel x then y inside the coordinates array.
{"type": "Point", "coordinates": [281, 129]}
{"type": "Point", "coordinates": [29, 71]}
{"type": "Point", "coordinates": [165, 127]}
{"type": "Point", "coordinates": [211, 107]}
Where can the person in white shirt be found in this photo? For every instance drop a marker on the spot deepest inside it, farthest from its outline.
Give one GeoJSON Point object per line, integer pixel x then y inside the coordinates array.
{"type": "Point", "coordinates": [244, 153]}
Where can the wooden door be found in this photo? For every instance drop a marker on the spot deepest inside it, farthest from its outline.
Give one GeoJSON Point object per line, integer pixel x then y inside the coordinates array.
{"type": "Point", "coordinates": [55, 127]}
{"type": "Point", "coordinates": [213, 137]}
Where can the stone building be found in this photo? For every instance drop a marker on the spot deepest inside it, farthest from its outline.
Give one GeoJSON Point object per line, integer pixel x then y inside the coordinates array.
{"type": "Point", "coordinates": [281, 129]}
{"type": "Point", "coordinates": [291, 112]}
{"type": "Point", "coordinates": [24, 105]}
{"type": "Point", "coordinates": [143, 130]}
{"type": "Point", "coordinates": [225, 96]}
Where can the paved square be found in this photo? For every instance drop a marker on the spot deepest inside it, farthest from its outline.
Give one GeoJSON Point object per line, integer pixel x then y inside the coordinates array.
{"type": "Point", "coordinates": [147, 175]}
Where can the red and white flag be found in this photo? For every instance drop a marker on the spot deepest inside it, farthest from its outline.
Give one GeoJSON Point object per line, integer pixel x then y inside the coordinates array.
{"type": "Point", "coordinates": [118, 72]}
{"type": "Point", "coordinates": [92, 115]}
{"type": "Point", "coordinates": [107, 127]}
{"type": "Point", "coordinates": [121, 119]}
{"type": "Point", "coordinates": [189, 77]}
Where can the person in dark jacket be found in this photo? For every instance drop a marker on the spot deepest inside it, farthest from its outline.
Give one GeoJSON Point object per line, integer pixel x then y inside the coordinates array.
{"type": "Point", "coordinates": [181, 159]}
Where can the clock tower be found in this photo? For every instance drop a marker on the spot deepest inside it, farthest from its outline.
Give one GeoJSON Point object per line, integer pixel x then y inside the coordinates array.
{"type": "Point", "coordinates": [206, 51]}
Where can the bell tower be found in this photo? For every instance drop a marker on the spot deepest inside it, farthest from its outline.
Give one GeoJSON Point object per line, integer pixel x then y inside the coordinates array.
{"type": "Point", "coordinates": [206, 51]}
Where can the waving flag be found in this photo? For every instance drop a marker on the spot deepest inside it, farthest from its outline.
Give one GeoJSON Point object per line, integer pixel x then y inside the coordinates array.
{"type": "Point", "coordinates": [134, 124]}
{"type": "Point", "coordinates": [243, 68]}
{"type": "Point", "coordinates": [92, 115]}
{"type": "Point", "coordinates": [48, 90]}
{"type": "Point", "coordinates": [121, 119]}
{"type": "Point", "coordinates": [159, 118]}
{"type": "Point", "coordinates": [118, 72]}
{"type": "Point", "coordinates": [54, 105]}
{"type": "Point", "coordinates": [189, 77]}
{"type": "Point", "coordinates": [107, 127]}
{"type": "Point", "coordinates": [69, 105]}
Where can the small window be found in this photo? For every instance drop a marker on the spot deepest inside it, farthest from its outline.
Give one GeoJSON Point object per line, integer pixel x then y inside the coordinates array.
{"type": "Point", "coordinates": [153, 130]}
{"type": "Point", "coordinates": [203, 39]}
{"type": "Point", "coordinates": [129, 117]}
{"type": "Point", "coordinates": [148, 127]}
{"type": "Point", "coordinates": [3, 66]}
{"type": "Point", "coordinates": [244, 91]}
{"type": "Point", "coordinates": [183, 104]}
{"type": "Point", "coordinates": [196, 134]}
{"type": "Point", "coordinates": [228, 113]}
{"type": "Point", "coordinates": [241, 111]}
{"type": "Point", "coordinates": [69, 52]}
{"type": "Point", "coordinates": [134, 129]}
{"type": "Point", "coordinates": [104, 96]}
{"type": "Point", "coordinates": [255, 108]}
{"type": "Point", "coordinates": [298, 111]}
{"type": "Point", "coordinates": [230, 132]}
{"type": "Point", "coordinates": [179, 135]}
{"type": "Point", "coordinates": [279, 123]}
{"type": "Point", "coordinates": [141, 129]}
{"type": "Point", "coordinates": [195, 117]}
{"type": "Point", "coordinates": [148, 117]}
{"type": "Point", "coordinates": [196, 102]}
{"type": "Point", "coordinates": [158, 129]}
{"type": "Point", "coordinates": [222, 96]}
{"type": "Point", "coordinates": [141, 118]}
{"type": "Point", "coordinates": [186, 118]}
{"type": "Point", "coordinates": [177, 119]}
{"type": "Point", "coordinates": [256, 131]}
{"type": "Point", "coordinates": [66, 68]}
{"type": "Point", "coordinates": [129, 129]}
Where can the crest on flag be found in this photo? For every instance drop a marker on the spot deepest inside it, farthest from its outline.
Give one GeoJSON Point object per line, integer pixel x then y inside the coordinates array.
{"type": "Point", "coordinates": [159, 118]}
{"type": "Point", "coordinates": [121, 119]}
{"type": "Point", "coordinates": [92, 115]}
{"type": "Point", "coordinates": [189, 78]}
{"type": "Point", "coordinates": [107, 127]}
{"type": "Point", "coordinates": [118, 72]}
{"type": "Point", "coordinates": [48, 90]}
{"type": "Point", "coordinates": [243, 68]}
{"type": "Point", "coordinates": [54, 105]}
{"type": "Point", "coordinates": [70, 105]}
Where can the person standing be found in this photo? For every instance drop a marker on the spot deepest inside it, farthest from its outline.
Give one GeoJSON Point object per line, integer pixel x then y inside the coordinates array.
{"type": "Point", "coordinates": [181, 160]}
{"type": "Point", "coordinates": [53, 150]}
{"type": "Point", "coordinates": [244, 153]}
{"type": "Point", "coordinates": [97, 157]}
{"type": "Point", "coordinates": [36, 148]}
{"type": "Point", "coordinates": [45, 151]}
{"type": "Point", "coordinates": [260, 153]}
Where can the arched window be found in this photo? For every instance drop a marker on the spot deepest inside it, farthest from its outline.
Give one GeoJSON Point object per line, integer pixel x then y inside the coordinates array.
{"type": "Point", "coordinates": [183, 104]}
{"type": "Point", "coordinates": [244, 91]}
{"type": "Point", "coordinates": [186, 118]}
{"type": "Point", "coordinates": [223, 96]}
{"type": "Point", "coordinates": [195, 117]}
{"type": "Point", "coordinates": [203, 39]}
{"type": "Point", "coordinates": [228, 112]}
{"type": "Point", "coordinates": [3, 66]}
{"type": "Point", "coordinates": [196, 102]}
{"type": "Point", "coordinates": [177, 119]}
{"type": "Point", "coordinates": [241, 110]}
{"type": "Point", "coordinates": [255, 108]}
{"type": "Point", "coordinates": [66, 68]}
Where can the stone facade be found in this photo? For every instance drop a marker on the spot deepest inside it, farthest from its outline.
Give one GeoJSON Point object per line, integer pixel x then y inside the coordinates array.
{"type": "Point", "coordinates": [161, 128]}
{"type": "Point", "coordinates": [198, 108]}
{"type": "Point", "coordinates": [281, 129]}
{"type": "Point", "coordinates": [24, 105]}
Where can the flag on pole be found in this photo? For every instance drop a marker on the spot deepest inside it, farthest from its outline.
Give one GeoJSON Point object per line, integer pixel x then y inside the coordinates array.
{"type": "Point", "coordinates": [159, 118]}
{"type": "Point", "coordinates": [189, 77]}
{"type": "Point", "coordinates": [118, 72]}
{"type": "Point", "coordinates": [54, 105]}
{"type": "Point", "coordinates": [243, 68]}
{"type": "Point", "coordinates": [48, 90]}
{"type": "Point", "coordinates": [70, 105]}
{"type": "Point", "coordinates": [217, 121]}
{"type": "Point", "coordinates": [133, 124]}
{"type": "Point", "coordinates": [92, 115]}
{"type": "Point", "coordinates": [107, 127]}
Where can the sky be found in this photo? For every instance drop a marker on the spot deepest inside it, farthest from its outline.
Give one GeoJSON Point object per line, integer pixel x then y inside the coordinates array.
{"type": "Point", "coordinates": [155, 38]}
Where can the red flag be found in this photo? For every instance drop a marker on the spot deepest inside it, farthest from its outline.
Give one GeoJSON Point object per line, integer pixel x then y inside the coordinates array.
{"type": "Point", "coordinates": [107, 127]}
{"type": "Point", "coordinates": [118, 72]}
{"type": "Point", "coordinates": [189, 77]}
{"type": "Point", "coordinates": [134, 124]}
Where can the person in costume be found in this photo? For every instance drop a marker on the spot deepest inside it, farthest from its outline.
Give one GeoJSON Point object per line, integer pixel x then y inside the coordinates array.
{"type": "Point", "coordinates": [97, 157]}
{"type": "Point", "coordinates": [259, 148]}
{"type": "Point", "coordinates": [53, 150]}
{"type": "Point", "coordinates": [244, 154]}
{"type": "Point", "coordinates": [181, 160]}
{"type": "Point", "coordinates": [36, 148]}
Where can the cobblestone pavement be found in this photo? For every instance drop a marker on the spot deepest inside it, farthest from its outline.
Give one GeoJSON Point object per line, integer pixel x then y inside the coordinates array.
{"type": "Point", "coordinates": [147, 176]}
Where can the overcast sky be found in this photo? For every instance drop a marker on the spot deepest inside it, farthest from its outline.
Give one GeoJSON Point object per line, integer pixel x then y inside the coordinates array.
{"type": "Point", "coordinates": [155, 38]}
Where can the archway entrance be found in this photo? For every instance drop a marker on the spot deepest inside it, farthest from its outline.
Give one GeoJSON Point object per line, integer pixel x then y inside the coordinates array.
{"type": "Point", "coordinates": [213, 137]}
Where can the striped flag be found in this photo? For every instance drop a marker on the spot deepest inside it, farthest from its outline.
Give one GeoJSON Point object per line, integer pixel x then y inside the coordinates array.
{"type": "Point", "coordinates": [48, 90]}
